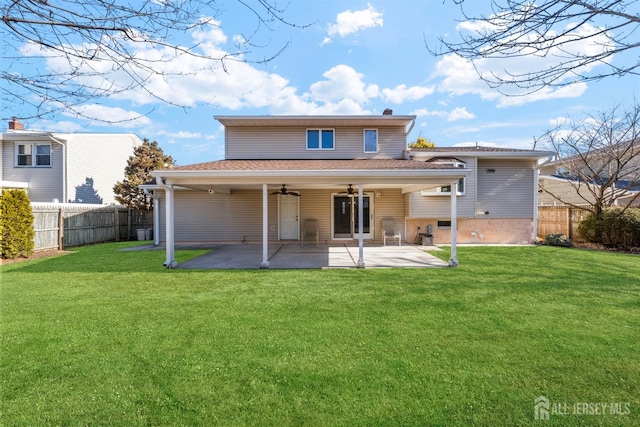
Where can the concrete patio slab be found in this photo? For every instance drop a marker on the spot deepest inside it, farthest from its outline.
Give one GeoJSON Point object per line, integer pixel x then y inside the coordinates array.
{"type": "Point", "coordinates": [291, 256]}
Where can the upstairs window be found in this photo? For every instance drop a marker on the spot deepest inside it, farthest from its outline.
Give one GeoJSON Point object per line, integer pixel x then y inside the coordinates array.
{"type": "Point", "coordinates": [320, 139]}
{"type": "Point", "coordinates": [33, 155]}
{"type": "Point", "coordinates": [370, 140]}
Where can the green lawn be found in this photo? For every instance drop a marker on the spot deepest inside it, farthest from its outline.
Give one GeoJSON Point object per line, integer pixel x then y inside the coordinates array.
{"type": "Point", "coordinates": [105, 337]}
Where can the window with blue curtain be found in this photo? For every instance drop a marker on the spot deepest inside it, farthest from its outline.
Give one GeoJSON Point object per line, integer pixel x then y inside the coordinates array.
{"type": "Point", "coordinates": [370, 140]}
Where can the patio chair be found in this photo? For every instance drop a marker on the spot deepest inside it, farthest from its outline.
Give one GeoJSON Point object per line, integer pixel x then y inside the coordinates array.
{"type": "Point", "coordinates": [389, 231]}
{"type": "Point", "coordinates": [310, 230]}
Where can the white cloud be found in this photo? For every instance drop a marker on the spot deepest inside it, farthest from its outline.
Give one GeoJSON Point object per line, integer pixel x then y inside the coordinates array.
{"type": "Point", "coordinates": [350, 22]}
{"type": "Point", "coordinates": [459, 76]}
{"type": "Point", "coordinates": [459, 113]}
{"type": "Point", "coordinates": [182, 134]}
{"type": "Point", "coordinates": [343, 82]}
{"type": "Point", "coordinates": [188, 80]}
{"type": "Point", "coordinates": [402, 93]}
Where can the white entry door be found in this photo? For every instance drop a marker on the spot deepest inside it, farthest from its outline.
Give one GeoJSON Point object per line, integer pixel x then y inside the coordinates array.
{"type": "Point", "coordinates": [288, 217]}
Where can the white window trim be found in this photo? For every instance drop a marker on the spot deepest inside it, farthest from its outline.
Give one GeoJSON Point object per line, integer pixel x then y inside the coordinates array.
{"type": "Point", "coordinates": [364, 141]}
{"type": "Point", "coordinates": [438, 191]}
{"type": "Point", "coordinates": [34, 154]}
{"type": "Point", "coordinates": [306, 137]}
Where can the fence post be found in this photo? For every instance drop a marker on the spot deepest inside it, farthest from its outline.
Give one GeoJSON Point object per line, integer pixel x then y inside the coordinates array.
{"type": "Point", "coordinates": [129, 224]}
{"type": "Point", "coordinates": [60, 229]}
{"type": "Point", "coordinates": [569, 223]}
{"type": "Point", "coordinates": [116, 224]}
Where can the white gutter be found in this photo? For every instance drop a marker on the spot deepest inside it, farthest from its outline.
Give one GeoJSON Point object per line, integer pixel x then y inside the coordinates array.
{"type": "Point", "coordinates": [315, 173]}
{"type": "Point", "coordinates": [490, 154]}
{"type": "Point", "coordinates": [536, 185]}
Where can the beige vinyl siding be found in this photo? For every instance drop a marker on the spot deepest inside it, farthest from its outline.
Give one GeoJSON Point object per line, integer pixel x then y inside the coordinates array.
{"type": "Point", "coordinates": [286, 143]}
{"type": "Point", "coordinates": [201, 217]}
{"type": "Point", "coordinates": [389, 203]}
{"type": "Point", "coordinates": [45, 183]}
{"type": "Point", "coordinates": [316, 204]}
{"type": "Point", "coordinates": [507, 192]}
{"type": "Point", "coordinates": [440, 206]}
{"type": "Point", "coordinates": [95, 162]}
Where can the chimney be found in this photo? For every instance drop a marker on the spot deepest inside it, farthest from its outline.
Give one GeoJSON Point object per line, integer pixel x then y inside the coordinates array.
{"type": "Point", "coordinates": [387, 112]}
{"type": "Point", "coordinates": [15, 124]}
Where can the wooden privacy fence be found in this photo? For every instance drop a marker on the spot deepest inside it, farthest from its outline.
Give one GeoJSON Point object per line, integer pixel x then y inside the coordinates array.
{"type": "Point", "coordinates": [560, 219]}
{"type": "Point", "coordinates": [59, 226]}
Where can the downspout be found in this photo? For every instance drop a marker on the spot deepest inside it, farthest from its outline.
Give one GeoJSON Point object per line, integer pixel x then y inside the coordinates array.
{"type": "Point", "coordinates": [408, 131]}
{"type": "Point", "coordinates": [156, 216]}
{"type": "Point", "coordinates": [64, 166]}
{"type": "Point", "coordinates": [536, 179]}
{"type": "Point", "coordinates": [170, 261]}
{"type": "Point", "coordinates": [156, 220]}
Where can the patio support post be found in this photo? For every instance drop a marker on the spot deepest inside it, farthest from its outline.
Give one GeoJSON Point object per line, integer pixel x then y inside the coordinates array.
{"type": "Point", "coordinates": [265, 227]}
{"type": "Point", "coordinates": [169, 226]}
{"type": "Point", "coordinates": [360, 226]}
{"type": "Point", "coordinates": [534, 233]}
{"type": "Point", "coordinates": [453, 261]}
{"type": "Point", "coordinates": [156, 220]}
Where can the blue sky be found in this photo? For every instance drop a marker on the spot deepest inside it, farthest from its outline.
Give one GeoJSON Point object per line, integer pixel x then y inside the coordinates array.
{"type": "Point", "coordinates": [355, 57]}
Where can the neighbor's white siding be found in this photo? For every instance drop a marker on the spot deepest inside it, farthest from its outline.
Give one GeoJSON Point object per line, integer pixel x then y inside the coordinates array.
{"type": "Point", "coordinates": [95, 162]}
{"type": "Point", "coordinates": [505, 188]}
{"type": "Point", "coordinates": [291, 143]}
{"type": "Point", "coordinates": [45, 183]}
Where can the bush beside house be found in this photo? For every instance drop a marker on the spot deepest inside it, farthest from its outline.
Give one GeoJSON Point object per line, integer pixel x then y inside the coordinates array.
{"type": "Point", "coordinates": [617, 227]}
{"type": "Point", "coordinates": [16, 224]}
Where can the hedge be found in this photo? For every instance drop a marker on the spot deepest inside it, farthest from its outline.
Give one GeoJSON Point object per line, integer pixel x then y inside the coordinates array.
{"type": "Point", "coordinates": [16, 224]}
{"type": "Point", "coordinates": [617, 227]}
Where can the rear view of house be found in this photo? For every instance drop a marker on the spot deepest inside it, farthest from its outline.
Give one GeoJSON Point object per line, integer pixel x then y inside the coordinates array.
{"type": "Point", "coordinates": [345, 175]}
{"type": "Point", "coordinates": [64, 167]}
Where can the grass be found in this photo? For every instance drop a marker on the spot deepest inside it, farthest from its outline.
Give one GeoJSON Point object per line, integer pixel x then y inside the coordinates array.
{"type": "Point", "coordinates": [107, 337]}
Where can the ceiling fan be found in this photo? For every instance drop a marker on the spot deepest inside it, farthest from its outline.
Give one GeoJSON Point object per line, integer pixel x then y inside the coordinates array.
{"type": "Point", "coordinates": [350, 191]}
{"type": "Point", "coordinates": [284, 192]}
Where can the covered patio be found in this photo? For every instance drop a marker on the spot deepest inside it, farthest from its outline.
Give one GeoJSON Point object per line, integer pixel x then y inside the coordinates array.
{"type": "Point", "coordinates": [265, 177]}
{"type": "Point", "coordinates": [293, 256]}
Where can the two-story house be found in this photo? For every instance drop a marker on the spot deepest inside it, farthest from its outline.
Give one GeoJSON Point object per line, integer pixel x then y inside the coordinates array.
{"type": "Point", "coordinates": [64, 167]}
{"type": "Point", "coordinates": [347, 174]}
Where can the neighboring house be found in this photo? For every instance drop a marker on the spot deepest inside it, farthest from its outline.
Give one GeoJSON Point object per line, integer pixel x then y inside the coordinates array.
{"type": "Point", "coordinates": [561, 184]}
{"type": "Point", "coordinates": [347, 173]}
{"type": "Point", "coordinates": [64, 167]}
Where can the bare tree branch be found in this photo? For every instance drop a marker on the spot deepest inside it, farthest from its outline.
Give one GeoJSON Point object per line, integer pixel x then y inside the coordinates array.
{"type": "Point", "coordinates": [599, 157]}
{"type": "Point", "coordinates": [74, 49]}
{"type": "Point", "coordinates": [571, 37]}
